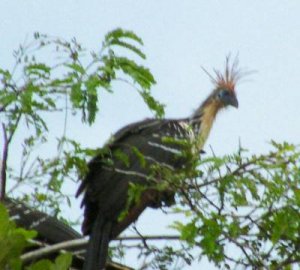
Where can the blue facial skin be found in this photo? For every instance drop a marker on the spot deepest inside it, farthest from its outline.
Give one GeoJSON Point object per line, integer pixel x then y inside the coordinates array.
{"type": "Point", "coordinates": [228, 98]}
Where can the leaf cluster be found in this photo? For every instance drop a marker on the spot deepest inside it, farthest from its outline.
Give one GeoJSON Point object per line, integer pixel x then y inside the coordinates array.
{"type": "Point", "coordinates": [245, 203]}
{"type": "Point", "coordinates": [67, 85]}
{"type": "Point", "coordinates": [13, 242]}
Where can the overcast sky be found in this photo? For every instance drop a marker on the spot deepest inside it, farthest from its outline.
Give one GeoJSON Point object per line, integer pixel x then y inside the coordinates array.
{"type": "Point", "coordinates": [180, 37]}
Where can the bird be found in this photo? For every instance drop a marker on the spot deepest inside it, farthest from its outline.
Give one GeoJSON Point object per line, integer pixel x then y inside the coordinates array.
{"type": "Point", "coordinates": [128, 158]}
{"type": "Point", "coordinates": [50, 231]}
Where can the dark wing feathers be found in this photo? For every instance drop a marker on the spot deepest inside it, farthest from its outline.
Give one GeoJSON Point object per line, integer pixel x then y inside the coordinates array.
{"type": "Point", "coordinates": [106, 187]}
{"type": "Point", "coordinates": [50, 229]}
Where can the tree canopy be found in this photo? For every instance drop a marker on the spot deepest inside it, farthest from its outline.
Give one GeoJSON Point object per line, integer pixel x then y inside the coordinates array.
{"type": "Point", "coordinates": [240, 210]}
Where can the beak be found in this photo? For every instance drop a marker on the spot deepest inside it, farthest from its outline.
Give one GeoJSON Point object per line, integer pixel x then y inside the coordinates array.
{"type": "Point", "coordinates": [233, 101]}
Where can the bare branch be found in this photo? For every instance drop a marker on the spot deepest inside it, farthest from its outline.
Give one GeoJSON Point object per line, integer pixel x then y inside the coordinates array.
{"type": "Point", "coordinates": [81, 244]}
{"type": "Point", "coordinates": [148, 237]}
{"type": "Point", "coordinates": [7, 141]}
{"type": "Point", "coordinates": [4, 163]}
{"type": "Point", "coordinates": [60, 247]}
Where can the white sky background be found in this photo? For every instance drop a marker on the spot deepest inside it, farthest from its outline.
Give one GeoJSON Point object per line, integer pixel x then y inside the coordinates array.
{"type": "Point", "coordinates": [180, 37]}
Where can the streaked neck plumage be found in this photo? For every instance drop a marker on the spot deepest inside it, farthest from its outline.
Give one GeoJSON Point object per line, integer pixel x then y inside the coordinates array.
{"type": "Point", "coordinates": [203, 118]}
{"type": "Point", "coordinates": [223, 95]}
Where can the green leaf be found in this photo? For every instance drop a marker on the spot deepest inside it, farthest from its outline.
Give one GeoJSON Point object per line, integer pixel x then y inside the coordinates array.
{"type": "Point", "coordinates": [128, 46]}
{"type": "Point", "coordinates": [62, 262]}
{"type": "Point", "coordinates": [76, 95]}
{"type": "Point", "coordinates": [153, 104]}
{"type": "Point", "coordinates": [140, 156]}
{"type": "Point", "coordinates": [189, 232]}
{"type": "Point", "coordinates": [12, 241]}
{"type": "Point", "coordinates": [139, 74]}
{"type": "Point", "coordinates": [76, 67]}
{"type": "Point", "coordinates": [6, 74]}
{"type": "Point", "coordinates": [121, 33]}
{"type": "Point", "coordinates": [92, 97]}
{"type": "Point", "coordinates": [39, 70]}
{"type": "Point", "coordinates": [123, 157]}
{"type": "Point", "coordinates": [41, 265]}
{"type": "Point", "coordinates": [7, 98]}
{"type": "Point", "coordinates": [26, 99]}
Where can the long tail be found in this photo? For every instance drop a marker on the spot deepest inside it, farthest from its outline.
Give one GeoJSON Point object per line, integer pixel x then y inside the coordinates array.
{"type": "Point", "coordinates": [95, 258]}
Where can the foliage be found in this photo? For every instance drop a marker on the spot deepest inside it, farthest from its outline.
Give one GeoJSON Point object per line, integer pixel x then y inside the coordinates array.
{"type": "Point", "coordinates": [249, 204]}
{"type": "Point", "coordinates": [62, 262]}
{"type": "Point", "coordinates": [240, 210]}
{"type": "Point", "coordinates": [14, 240]}
{"type": "Point", "coordinates": [67, 85]}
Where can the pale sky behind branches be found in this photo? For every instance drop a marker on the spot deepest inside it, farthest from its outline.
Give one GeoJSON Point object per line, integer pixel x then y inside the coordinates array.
{"type": "Point", "coordinates": [180, 37]}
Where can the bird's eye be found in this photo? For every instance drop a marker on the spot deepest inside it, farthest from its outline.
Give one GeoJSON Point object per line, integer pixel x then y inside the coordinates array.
{"type": "Point", "coordinates": [223, 93]}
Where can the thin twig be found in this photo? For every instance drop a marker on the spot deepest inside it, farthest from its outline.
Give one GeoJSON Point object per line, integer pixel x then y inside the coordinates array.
{"type": "Point", "coordinates": [148, 237]}
{"type": "Point", "coordinates": [141, 236]}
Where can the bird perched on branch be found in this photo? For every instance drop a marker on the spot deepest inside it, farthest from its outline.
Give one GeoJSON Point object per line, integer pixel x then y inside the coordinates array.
{"type": "Point", "coordinates": [50, 231]}
{"type": "Point", "coordinates": [129, 159]}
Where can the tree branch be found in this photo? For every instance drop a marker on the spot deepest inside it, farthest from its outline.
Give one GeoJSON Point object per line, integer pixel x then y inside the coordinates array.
{"type": "Point", "coordinates": [81, 244]}
{"type": "Point", "coordinates": [7, 141]}
{"type": "Point", "coordinates": [72, 244]}
{"type": "Point", "coordinates": [4, 163]}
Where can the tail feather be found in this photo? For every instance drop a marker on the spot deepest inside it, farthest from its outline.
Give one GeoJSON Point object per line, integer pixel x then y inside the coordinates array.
{"type": "Point", "coordinates": [97, 250]}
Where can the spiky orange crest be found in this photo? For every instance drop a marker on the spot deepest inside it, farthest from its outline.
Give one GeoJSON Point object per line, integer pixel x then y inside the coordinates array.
{"type": "Point", "coordinates": [229, 78]}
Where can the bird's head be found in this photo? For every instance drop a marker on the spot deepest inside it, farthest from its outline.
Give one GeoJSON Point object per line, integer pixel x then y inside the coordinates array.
{"type": "Point", "coordinates": [224, 94]}
{"type": "Point", "coordinates": [226, 98]}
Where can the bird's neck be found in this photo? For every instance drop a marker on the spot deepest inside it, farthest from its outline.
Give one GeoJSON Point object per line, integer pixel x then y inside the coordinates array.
{"type": "Point", "coordinates": [202, 120]}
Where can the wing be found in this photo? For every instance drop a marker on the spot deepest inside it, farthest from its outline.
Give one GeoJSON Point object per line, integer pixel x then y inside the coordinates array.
{"type": "Point", "coordinates": [128, 159]}
{"type": "Point", "coordinates": [50, 230]}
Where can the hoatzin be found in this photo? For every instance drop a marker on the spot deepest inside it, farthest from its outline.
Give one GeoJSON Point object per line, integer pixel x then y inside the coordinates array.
{"type": "Point", "coordinates": [106, 185]}
{"type": "Point", "coordinates": [50, 231]}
